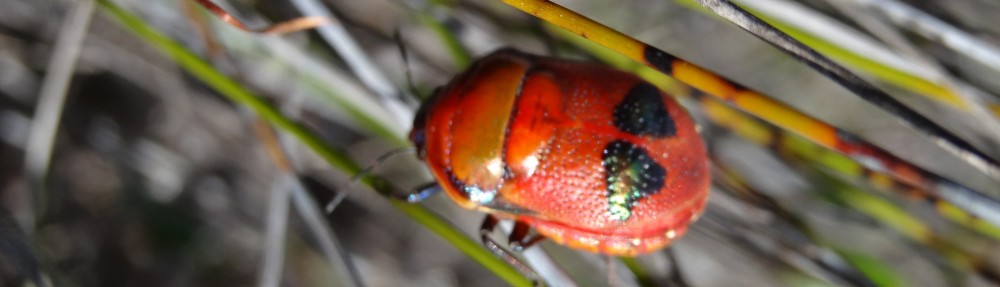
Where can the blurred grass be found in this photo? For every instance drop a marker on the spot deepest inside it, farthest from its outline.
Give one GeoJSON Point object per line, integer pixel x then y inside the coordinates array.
{"type": "Point", "coordinates": [860, 62]}
{"type": "Point", "coordinates": [232, 89]}
{"type": "Point", "coordinates": [740, 241]}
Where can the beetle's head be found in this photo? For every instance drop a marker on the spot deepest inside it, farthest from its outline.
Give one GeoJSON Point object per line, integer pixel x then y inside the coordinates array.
{"type": "Point", "coordinates": [418, 133]}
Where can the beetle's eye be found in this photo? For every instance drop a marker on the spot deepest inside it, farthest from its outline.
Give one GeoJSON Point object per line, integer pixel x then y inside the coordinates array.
{"type": "Point", "coordinates": [417, 136]}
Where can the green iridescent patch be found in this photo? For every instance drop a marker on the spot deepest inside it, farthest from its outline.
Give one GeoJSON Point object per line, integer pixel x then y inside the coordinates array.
{"type": "Point", "coordinates": [630, 174]}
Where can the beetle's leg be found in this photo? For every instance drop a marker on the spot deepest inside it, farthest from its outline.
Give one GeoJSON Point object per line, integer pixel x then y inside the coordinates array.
{"type": "Point", "coordinates": [609, 266]}
{"type": "Point", "coordinates": [422, 192]}
{"type": "Point", "coordinates": [676, 276]}
{"type": "Point", "coordinates": [489, 224]}
{"type": "Point", "coordinates": [519, 238]}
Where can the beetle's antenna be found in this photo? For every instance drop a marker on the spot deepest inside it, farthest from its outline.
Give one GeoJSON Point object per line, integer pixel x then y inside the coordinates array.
{"type": "Point", "coordinates": [397, 36]}
{"type": "Point", "coordinates": [364, 173]}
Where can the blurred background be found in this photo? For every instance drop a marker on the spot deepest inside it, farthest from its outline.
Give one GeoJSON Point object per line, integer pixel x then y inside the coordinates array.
{"type": "Point", "coordinates": [123, 163]}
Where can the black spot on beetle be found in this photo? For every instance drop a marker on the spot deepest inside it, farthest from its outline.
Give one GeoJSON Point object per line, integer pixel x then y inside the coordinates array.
{"type": "Point", "coordinates": [630, 174]}
{"type": "Point", "coordinates": [642, 113]}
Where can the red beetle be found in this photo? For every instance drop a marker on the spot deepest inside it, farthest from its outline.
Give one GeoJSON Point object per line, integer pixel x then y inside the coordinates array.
{"type": "Point", "coordinates": [591, 157]}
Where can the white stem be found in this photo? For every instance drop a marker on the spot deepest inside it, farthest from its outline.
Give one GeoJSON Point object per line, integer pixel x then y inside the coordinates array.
{"type": "Point", "coordinates": [52, 98]}
{"type": "Point", "coordinates": [274, 237]}
{"type": "Point", "coordinates": [358, 61]}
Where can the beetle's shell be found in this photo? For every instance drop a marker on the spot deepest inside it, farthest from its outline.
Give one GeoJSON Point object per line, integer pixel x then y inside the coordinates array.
{"type": "Point", "coordinates": [591, 157]}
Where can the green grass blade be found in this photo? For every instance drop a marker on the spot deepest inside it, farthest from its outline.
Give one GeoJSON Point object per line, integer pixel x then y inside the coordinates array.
{"type": "Point", "coordinates": [879, 272]}
{"type": "Point", "coordinates": [458, 52]}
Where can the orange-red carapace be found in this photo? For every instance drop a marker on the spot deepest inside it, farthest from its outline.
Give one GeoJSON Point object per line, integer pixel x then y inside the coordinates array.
{"type": "Point", "coordinates": [591, 157]}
